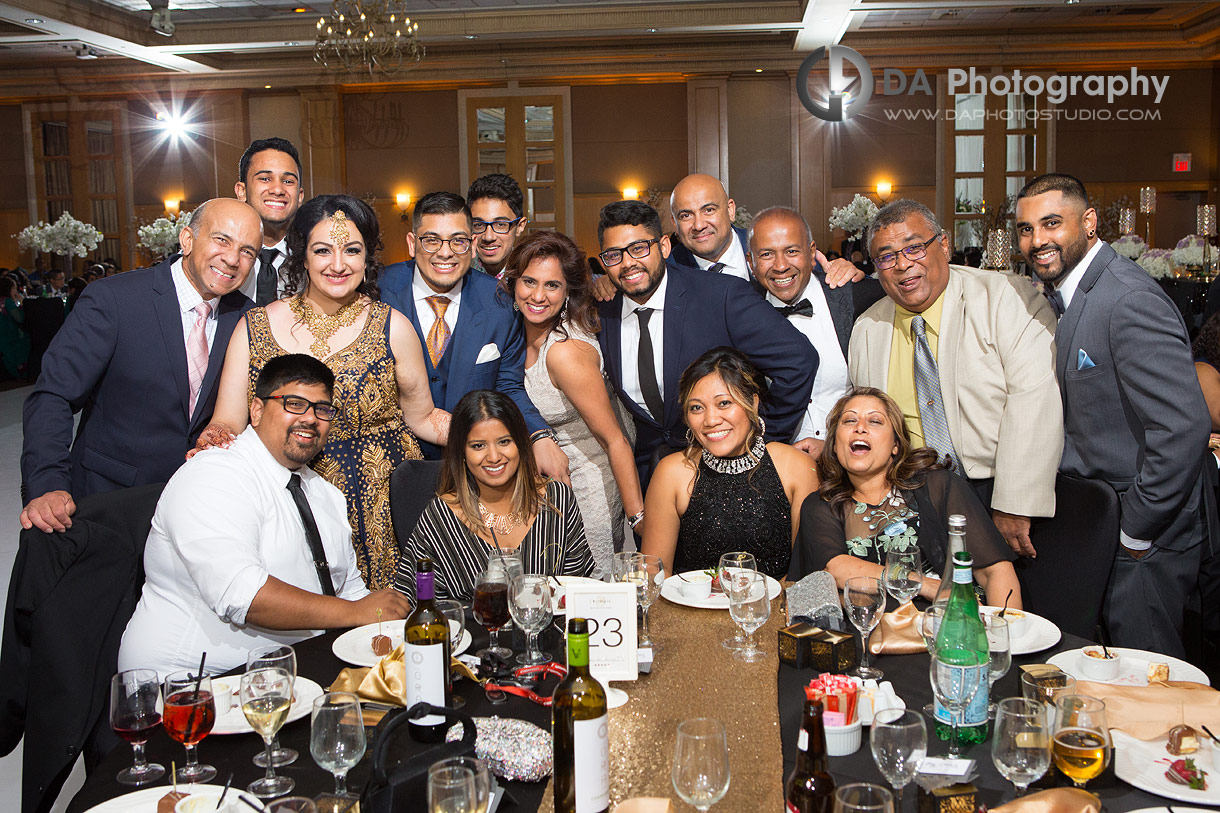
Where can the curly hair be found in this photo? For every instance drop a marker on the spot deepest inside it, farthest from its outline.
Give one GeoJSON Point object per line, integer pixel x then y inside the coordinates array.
{"type": "Point", "coordinates": [579, 307]}
{"type": "Point", "coordinates": [908, 467]}
{"type": "Point", "coordinates": [1207, 344]}
{"type": "Point", "coordinates": [323, 207]}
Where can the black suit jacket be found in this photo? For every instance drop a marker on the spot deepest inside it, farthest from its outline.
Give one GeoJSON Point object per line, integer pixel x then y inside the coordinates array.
{"type": "Point", "coordinates": [841, 302]}
{"type": "Point", "coordinates": [681, 255]}
{"type": "Point", "coordinates": [120, 360]}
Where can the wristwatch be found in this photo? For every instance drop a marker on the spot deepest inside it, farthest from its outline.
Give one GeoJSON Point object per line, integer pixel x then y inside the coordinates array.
{"type": "Point", "coordinates": [544, 433]}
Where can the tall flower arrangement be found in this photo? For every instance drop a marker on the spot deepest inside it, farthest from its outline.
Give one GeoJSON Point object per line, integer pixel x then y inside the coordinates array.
{"type": "Point", "coordinates": [66, 236]}
{"type": "Point", "coordinates": [1189, 251]}
{"type": "Point", "coordinates": [161, 236]}
{"type": "Point", "coordinates": [1130, 246]}
{"type": "Point", "coordinates": [1157, 262]}
{"type": "Point", "coordinates": [854, 217]}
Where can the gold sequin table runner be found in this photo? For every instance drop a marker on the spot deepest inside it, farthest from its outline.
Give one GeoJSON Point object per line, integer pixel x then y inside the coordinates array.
{"type": "Point", "coordinates": [694, 676]}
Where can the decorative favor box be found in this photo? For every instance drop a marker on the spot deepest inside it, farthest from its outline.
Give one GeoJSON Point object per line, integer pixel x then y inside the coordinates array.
{"type": "Point", "coordinates": [808, 647]}
{"type": "Point", "coordinates": [959, 798]}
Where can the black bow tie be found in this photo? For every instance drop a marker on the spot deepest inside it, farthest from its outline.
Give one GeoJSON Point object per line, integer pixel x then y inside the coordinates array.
{"type": "Point", "coordinates": [802, 308]}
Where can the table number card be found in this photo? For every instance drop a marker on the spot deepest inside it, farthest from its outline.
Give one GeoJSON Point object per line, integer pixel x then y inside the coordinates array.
{"type": "Point", "coordinates": [610, 610]}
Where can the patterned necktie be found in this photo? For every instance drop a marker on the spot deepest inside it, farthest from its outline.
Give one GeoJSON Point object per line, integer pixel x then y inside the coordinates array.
{"type": "Point", "coordinates": [197, 351]}
{"type": "Point", "coordinates": [267, 287]}
{"type": "Point", "coordinates": [312, 537]}
{"type": "Point", "coordinates": [716, 268]}
{"type": "Point", "coordinates": [927, 391]}
{"type": "Point", "coordinates": [1056, 299]}
{"type": "Point", "coordinates": [647, 368]}
{"type": "Point", "coordinates": [439, 333]}
{"type": "Point", "coordinates": [802, 308]}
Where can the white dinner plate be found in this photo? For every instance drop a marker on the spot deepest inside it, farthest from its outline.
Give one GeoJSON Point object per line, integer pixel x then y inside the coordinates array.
{"type": "Point", "coordinates": [672, 590]}
{"type": "Point", "coordinates": [356, 645]}
{"type": "Point", "coordinates": [304, 691]}
{"type": "Point", "coordinates": [145, 800]}
{"type": "Point", "coordinates": [1143, 764]}
{"type": "Point", "coordinates": [1040, 633]}
{"type": "Point", "coordinates": [1133, 668]}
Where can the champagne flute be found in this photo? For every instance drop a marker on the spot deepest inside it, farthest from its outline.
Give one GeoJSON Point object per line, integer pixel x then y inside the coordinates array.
{"type": "Point", "coordinates": [899, 741]}
{"type": "Point", "coordinates": [266, 697]}
{"type": "Point", "coordinates": [750, 607]}
{"type": "Point", "coordinates": [451, 789]}
{"type": "Point", "coordinates": [336, 738]}
{"type": "Point", "coordinates": [954, 685]}
{"type": "Point", "coordinates": [188, 716]}
{"type": "Point", "coordinates": [863, 797]}
{"type": "Point", "coordinates": [530, 606]}
{"type": "Point", "coordinates": [1001, 653]}
{"type": "Point", "coordinates": [491, 604]}
{"type": "Point", "coordinates": [482, 779]}
{"type": "Point", "coordinates": [734, 560]}
{"type": "Point", "coordinates": [275, 656]}
{"type": "Point", "coordinates": [133, 715]}
{"type": "Point", "coordinates": [647, 573]}
{"type": "Point", "coordinates": [701, 762]}
{"type": "Point", "coordinates": [864, 598]}
{"type": "Point", "coordinates": [1020, 747]}
{"type": "Point", "coordinates": [1081, 746]}
{"type": "Point", "coordinates": [903, 577]}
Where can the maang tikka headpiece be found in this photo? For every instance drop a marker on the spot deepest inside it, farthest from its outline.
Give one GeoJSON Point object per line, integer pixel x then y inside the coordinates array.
{"type": "Point", "coordinates": [338, 228]}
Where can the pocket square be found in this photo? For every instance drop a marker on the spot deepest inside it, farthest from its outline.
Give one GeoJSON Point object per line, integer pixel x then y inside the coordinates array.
{"type": "Point", "coordinates": [1083, 362]}
{"type": "Point", "coordinates": [489, 353]}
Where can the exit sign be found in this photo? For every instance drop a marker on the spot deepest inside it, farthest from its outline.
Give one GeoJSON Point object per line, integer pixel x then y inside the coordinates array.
{"type": "Point", "coordinates": [1181, 162]}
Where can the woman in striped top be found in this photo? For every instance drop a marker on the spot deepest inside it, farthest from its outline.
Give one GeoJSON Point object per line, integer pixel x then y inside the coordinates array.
{"type": "Point", "coordinates": [490, 495]}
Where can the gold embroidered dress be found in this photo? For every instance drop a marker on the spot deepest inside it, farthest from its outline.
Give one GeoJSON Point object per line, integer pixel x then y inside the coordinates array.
{"type": "Point", "coordinates": [366, 442]}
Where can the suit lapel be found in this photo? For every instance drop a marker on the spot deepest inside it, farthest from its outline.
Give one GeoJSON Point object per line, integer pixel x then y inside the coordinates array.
{"type": "Point", "coordinates": [464, 344]}
{"type": "Point", "coordinates": [169, 318]}
{"type": "Point", "coordinates": [675, 307]}
{"type": "Point", "coordinates": [877, 339]}
{"type": "Point", "coordinates": [842, 307]}
{"type": "Point", "coordinates": [1065, 331]}
{"type": "Point", "coordinates": [952, 328]}
{"type": "Point", "coordinates": [229, 309]}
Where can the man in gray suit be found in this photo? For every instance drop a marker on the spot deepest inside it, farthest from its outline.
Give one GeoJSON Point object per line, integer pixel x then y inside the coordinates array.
{"type": "Point", "coordinates": [1133, 412]}
{"type": "Point", "coordinates": [781, 255]}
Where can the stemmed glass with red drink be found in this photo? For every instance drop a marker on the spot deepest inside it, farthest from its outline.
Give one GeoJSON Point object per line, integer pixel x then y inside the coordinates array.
{"type": "Point", "coordinates": [491, 604]}
{"type": "Point", "coordinates": [188, 716]}
{"type": "Point", "coordinates": [133, 715]}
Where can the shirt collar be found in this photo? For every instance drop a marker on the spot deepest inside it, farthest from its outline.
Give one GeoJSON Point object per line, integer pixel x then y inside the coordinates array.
{"type": "Point", "coordinates": [1067, 288]}
{"type": "Point", "coordinates": [188, 297]}
{"type": "Point", "coordinates": [655, 302]}
{"type": "Point", "coordinates": [931, 316]}
{"type": "Point", "coordinates": [263, 459]}
{"type": "Point", "coordinates": [733, 256]}
{"type": "Point", "coordinates": [421, 291]}
{"type": "Point", "coordinates": [772, 299]}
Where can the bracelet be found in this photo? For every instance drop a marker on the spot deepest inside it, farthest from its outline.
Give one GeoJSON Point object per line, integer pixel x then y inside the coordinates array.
{"type": "Point", "coordinates": [636, 519]}
{"type": "Point", "coordinates": [544, 433]}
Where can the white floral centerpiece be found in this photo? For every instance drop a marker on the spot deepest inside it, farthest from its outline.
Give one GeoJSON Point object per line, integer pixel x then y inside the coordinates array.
{"type": "Point", "coordinates": [1130, 246]}
{"type": "Point", "coordinates": [854, 217]}
{"type": "Point", "coordinates": [1189, 251]}
{"type": "Point", "coordinates": [1157, 262]}
{"type": "Point", "coordinates": [66, 236]}
{"type": "Point", "coordinates": [743, 219]}
{"type": "Point", "coordinates": [161, 236]}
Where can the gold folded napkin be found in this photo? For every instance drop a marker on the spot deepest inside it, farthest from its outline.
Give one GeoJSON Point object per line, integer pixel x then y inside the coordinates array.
{"type": "Point", "coordinates": [643, 804]}
{"type": "Point", "coordinates": [1057, 800]}
{"type": "Point", "coordinates": [386, 682]}
{"type": "Point", "coordinates": [898, 633]}
{"type": "Point", "coordinates": [1148, 712]}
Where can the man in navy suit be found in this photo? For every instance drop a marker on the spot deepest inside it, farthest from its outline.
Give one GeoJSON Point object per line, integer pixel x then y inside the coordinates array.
{"type": "Point", "coordinates": [472, 337]}
{"type": "Point", "coordinates": [707, 239]}
{"type": "Point", "coordinates": [140, 357]}
{"type": "Point", "coordinates": [664, 318]}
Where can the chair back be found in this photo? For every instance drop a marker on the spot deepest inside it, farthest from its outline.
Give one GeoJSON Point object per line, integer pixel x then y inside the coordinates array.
{"type": "Point", "coordinates": [412, 487]}
{"type": "Point", "coordinates": [1067, 581]}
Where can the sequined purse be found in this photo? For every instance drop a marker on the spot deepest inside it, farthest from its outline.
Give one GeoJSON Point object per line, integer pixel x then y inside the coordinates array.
{"type": "Point", "coordinates": [399, 783]}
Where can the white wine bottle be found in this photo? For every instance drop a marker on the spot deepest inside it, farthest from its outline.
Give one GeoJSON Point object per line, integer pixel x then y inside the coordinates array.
{"type": "Point", "coordinates": [580, 728]}
{"type": "Point", "coordinates": [426, 645]}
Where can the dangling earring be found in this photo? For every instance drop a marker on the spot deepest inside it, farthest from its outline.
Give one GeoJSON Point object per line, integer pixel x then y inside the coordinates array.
{"type": "Point", "coordinates": [516, 307]}
{"type": "Point", "coordinates": [563, 312]}
{"type": "Point", "coordinates": [690, 437]}
{"type": "Point", "coordinates": [762, 426]}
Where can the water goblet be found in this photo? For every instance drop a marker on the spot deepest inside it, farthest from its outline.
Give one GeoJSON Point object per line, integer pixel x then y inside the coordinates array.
{"type": "Point", "coordinates": [1046, 688]}
{"type": "Point", "coordinates": [491, 604]}
{"type": "Point", "coordinates": [1001, 653]}
{"type": "Point", "coordinates": [291, 804]}
{"type": "Point", "coordinates": [899, 741]}
{"type": "Point", "coordinates": [266, 697]}
{"type": "Point", "coordinates": [337, 740]}
{"type": "Point", "coordinates": [750, 607]}
{"type": "Point", "coordinates": [530, 606]}
{"type": "Point", "coordinates": [955, 685]}
{"type": "Point", "coordinates": [863, 797]}
{"type": "Point", "coordinates": [929, 625]}
{"type": "Point", "coordinates": [451, 789]}
{"type": "Point", "coordinates": [188, 716]}
{"type": "Point", "coordinates": [647, 573]}
{"type": "Point", "coordinates": [700, 772]}
{"type": "Point", "coordinates": [1081, 744]}
{"type": "Point", "coordinates": [864, 598]}
{"type": "Point", "coordinates": [734, 560]}
{"type": "Point", "coordinates": [276, 656]}
{"type": "Point", "coordinates": [1020, 745]}
{"type": "Point", "coordinates": [903, 574]}
{"type": "Point", "coordinates": [482, 779]}
{"type": "Point", "coordinates": [455, 611]}
{"type": "Point", "coordinates": [133, 715]}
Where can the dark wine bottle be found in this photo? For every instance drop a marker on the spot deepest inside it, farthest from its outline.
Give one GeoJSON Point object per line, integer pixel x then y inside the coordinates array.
{"type": "Point", "coordinates": [580, 729]}
{"type": "Point", "coordinates": [426, 644]}
{"type": "Point", "coordinates": [810, 788]}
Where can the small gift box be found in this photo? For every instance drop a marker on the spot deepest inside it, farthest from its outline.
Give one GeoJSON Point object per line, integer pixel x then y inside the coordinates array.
{"type": "Point", "coordinates": [808, 647]}
{"type": "Point", "coordinates": [794, 641]}
{"type": "Point", "coordinates": [957, 798]}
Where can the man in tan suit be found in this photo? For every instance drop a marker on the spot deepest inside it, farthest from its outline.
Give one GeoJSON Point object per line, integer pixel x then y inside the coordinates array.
{"type": "Point", "coordinates": [987, 394]}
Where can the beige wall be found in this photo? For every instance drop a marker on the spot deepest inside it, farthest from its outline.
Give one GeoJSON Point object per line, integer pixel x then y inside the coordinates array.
{"type": "Point", "coordinates": [760, 142]}
{"type": "Point", "coordinates": [401, 142]}
{"type": "Point", "coordinates": [627, 135]}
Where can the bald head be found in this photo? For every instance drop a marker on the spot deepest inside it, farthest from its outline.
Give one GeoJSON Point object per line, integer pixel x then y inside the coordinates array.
{"type": "Point", "coordinates": [219, 246]}
{"type": "Point", "coordinates": [703, 214]}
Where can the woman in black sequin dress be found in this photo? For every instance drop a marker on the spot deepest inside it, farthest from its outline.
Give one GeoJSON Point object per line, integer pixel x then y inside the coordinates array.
{"type": "Point", "coordinates": [730, 490]}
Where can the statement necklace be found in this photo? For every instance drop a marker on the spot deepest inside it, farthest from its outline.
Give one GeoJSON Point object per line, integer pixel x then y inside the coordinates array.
{"type": "Point", "coordinates": [501, 523]}
{"type": "Point", "coordinates": [737, 465]}
{"type": "Point", "coordinates": [322, 326]}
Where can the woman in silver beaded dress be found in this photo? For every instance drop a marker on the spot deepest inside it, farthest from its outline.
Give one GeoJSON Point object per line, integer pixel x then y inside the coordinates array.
{"type": "Point", "coordinates": [729, 490]}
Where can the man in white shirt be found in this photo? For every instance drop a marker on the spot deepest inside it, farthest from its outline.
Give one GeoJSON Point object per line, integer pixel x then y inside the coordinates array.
{"type": "Point", "coordinates": [269, 179]}
{"type": "Point", "coordinates": [782, 258]}
{"type": "Point", "coordinates": [703, 213]}
{"type": "Point", "coordinates": [249, 546]}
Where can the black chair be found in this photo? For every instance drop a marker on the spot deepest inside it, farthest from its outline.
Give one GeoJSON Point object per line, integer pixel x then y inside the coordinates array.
{"type": "Point", "coordinates": [1067, 582]}
{"type": "Point", "coordinates": [412, 487]}
{"type": "Point", "coordinates": [70, 597]}
{"type": "Point", "coordinates": [44, 316]}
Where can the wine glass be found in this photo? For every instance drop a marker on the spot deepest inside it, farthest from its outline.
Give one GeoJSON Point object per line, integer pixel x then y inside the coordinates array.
{"type": "Point", "coordinates": [1046, 688]}
{"type": "Point", "coordinates": [647, 573]}
{"type": "Point", "coordinates": [482, 779]}
{"type": "Point", "coordinates": [455, 611]}
{"type": "Point", "coordinates": [1081, 746]}
{"type": "Point", "coordinates": [864, 598]}
{"type": "Point", "coordinates": [899, 742]}
{"type": "Point", "coordinates": [188, 716]}
{"type": "Point", "coordinates": [336, 738]}
{"type": "Point", "coordinates": [530, 605]}
{"type": "Point", "coordinates": [863, 797]}
{"type": "Point", "coordinates": [275, 656]}
{"type": "Point", "coordinates": [451, 789]}
{"type": "Point", "coordinates": [491, 604]}
{"type": "Point", "coordinates": [903, 577]}
{"type": "Point", "coordinates": [291, 804]}
{"type": "Point", "coordinates": [750, 607]}
{"type": "Point", "coordinates": [701, 762]}
{"type": "Point", "coordinates": [929, 625]}
{"type": "Point", "coordinates": [133, 715]}
{"type": "Point", "coordinates": [266, 697]}
{"type": "Point", "coordinates": [734, 560]}
{"type": "Point", "coordinates": [955, 685]}
{"type": "Point", "coordinates": [1001, 653]}
{"type": "Point", "coordinates": [1020, 747]}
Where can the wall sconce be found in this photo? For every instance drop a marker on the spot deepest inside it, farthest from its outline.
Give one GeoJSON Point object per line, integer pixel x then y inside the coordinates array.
{"type": "Point", "coordinates": [631, 193]}
{"type": "Point", "coordinates": [404, 203]}
{"type": "Point", "coordinates": [172, 206]}
{"type": "Point", "coordinates": [884, 190]}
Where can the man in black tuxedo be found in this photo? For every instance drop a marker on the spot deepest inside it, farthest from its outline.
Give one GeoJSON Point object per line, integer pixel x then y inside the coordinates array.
{"type": "Point", "coordinates": [663, 318]}
{"type": "Point", "coordinates": [269, 179]}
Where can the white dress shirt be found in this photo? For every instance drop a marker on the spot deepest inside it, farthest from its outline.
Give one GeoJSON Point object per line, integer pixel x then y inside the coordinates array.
{"type": "Point", "coordinates": [423, 311]}
{"type": "Point", "coordinates": [1067, 288]}
{"type": "Point", "coordinates": [225, 522]}
{"type": "Point", "coordinates": [734, 259]}
{"type": "Point", "coordinates": [188, 299]}
{"type": "Point", "coordinates": [250, 286]}
{"type": "Point", "coordinates": [832, 380]}
{"type": "Point", "coordinates": [630, 341]}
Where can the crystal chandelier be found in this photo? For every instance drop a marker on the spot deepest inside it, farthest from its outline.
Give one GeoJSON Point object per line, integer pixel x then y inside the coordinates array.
{"type": "Point", "coordinates": [372, 35]}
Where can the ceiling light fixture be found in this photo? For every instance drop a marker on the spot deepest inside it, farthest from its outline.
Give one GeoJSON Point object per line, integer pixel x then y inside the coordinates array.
{"type": "Point", "coordinates": [35, 20]}
{"type": "Point", "coordinates": [375, 36]}
{"type": "Point", "coordinates": [472, 36]}
{"type": "Point", "coordinates": [85, 52]}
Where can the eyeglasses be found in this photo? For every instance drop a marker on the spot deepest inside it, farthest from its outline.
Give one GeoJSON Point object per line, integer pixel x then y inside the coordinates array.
{"type": "Point", "coordinates": [639, 249]}
{"type": "Point", "coordinates": [299, 406]}
{"type": "Point", "coordinates": [432, 243]}
{"type": "Point", "coordinates": [498, 226]}
{"type": "Point", "coordinates": [915, 252]}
